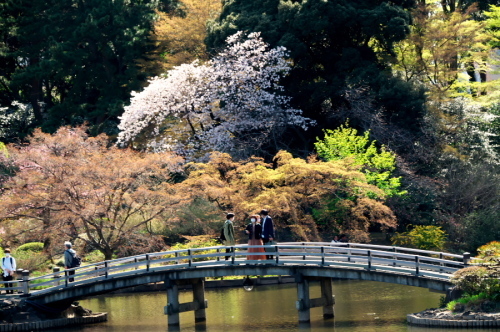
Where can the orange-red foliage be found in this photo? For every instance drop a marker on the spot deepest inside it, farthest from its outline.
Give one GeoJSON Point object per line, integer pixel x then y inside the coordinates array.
{"type": "Point", "coordinates": [290, 189]}
{"type": "Point", "coordinates": [70, 186]}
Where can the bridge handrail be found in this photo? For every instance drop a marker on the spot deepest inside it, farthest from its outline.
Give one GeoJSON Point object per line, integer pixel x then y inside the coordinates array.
{"type": "Point", "coordinates": [348, 255]}
{"type": "Point", "coordinates": [379, 247]}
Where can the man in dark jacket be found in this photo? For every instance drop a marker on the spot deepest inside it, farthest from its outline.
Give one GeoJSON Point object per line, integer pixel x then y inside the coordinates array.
{"type": "Point", "coordinates": [267, 229]}
{"type": "Point", "coordinates": [69, 253]}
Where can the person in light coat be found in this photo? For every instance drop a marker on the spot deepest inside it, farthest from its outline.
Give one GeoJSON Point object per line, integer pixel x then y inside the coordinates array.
{"type": "Point", "coordinates": [229, 233]}
{"type": "Point", "coordinates": [8, 268]}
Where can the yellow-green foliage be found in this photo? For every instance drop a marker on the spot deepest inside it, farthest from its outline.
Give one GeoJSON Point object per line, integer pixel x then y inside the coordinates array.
{"type": "Point", "coordinates": [30, 260]}
{"type": "Point", "coordinates": [421, 237]}
{"type": "Point", "coordinates": [32, 246]}
{"type": "Point", "coordinates": [429, 53]}
{"type": "Point", "coordinates": [377, 164]}
{"type": "Point", "coordinates": [196, 242]}
{"type": "Point", "coordinates": [491, 249]}
{"type": "Point", "coordinates": [3, 149]}
{"type": "Point", "coordinates": [469, 302]}
{"type": "Point", "coordinates": [94, 257]}
{"type": "Point", "coordinates": [291, 188]}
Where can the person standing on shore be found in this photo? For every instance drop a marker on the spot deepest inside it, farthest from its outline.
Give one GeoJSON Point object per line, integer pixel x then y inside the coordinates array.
{"type": "Point", "coordinates": [9, 268]}
{"type": "Point", "coordinates": [229, 233]}
{"type": "Point", "coordinates": [267, 229]}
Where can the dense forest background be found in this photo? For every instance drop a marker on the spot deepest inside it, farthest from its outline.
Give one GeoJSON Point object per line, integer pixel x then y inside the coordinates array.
{"type": "Point", "coordinates": [132, 125]}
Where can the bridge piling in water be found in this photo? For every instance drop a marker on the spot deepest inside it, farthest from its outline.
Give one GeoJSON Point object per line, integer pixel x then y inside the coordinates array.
{"type": "Point", "coordinates": [174, 308]}
{"type": "Point", "coordinates": [328, 298]}
{"type": "Point", "coordinates": [305, 303]}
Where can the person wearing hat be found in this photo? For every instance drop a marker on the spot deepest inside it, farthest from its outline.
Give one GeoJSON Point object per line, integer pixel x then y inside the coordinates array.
{"type": "Point", "coordinates": [8, 267]}
{"type": "Point", "coordinates": [69, 253]}
{"type": "Point", "coordinates": [267, 228]}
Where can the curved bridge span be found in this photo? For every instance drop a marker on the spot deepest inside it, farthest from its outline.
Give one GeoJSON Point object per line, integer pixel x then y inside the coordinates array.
{"type": "Point", "coordinates": [306, 261]}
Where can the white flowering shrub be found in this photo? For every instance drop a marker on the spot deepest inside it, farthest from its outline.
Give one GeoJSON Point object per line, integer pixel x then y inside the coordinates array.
{"type": "Point", "coordinates": [15, 118]}
{"type": "Point", "coordinates": [467, 130]}
{"type": "Point", "coordinates": [234, 103]}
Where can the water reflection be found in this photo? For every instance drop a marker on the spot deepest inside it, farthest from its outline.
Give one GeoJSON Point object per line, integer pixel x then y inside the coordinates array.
{"type": "Point", "coordinates": [360, 306]}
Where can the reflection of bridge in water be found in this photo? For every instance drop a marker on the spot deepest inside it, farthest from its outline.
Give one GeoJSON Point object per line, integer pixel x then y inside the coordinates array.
{"type": "Point", "coordinates": [305, 261]}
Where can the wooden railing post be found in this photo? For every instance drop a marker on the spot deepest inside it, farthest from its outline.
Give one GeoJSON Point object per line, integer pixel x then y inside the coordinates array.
{"type": "Point", "coordinates": [233, 255]}
{"type": "Point", "coordinates": [135, 263]}
{"type": "Point", "coordinates": [106, 269]}
{"type": "Point", "coordinates": [348, 253]}
{"type": "Point", "coordinates": [466, 258]}
{"type": "Point", "coordinates": [369, 259]}
{"type": "Point", "coordinates": [26, 283]}
{"type": "Point", "coordinates": [394, 257]}
{"type": "Point", "coordinates": [417, 265]}
{"type": "Point", "coordinates": [322, 255]}
{"type": "Point", "coordinates": [277, 256]}
{"type": "Point", "coordinates": [147, 262]}
{"type": "Point", "coordinates": [56, 270]}
{"type": "Point", "coordinates": [66, 278]}
{"type": "Point", "coordinates": [218, 257]}
{"type": "Point", "coordinates": [177, 256]}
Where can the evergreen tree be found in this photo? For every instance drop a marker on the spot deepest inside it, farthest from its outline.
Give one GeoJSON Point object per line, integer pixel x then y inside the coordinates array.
{"type": "Point", "coordinates": [74, 61]}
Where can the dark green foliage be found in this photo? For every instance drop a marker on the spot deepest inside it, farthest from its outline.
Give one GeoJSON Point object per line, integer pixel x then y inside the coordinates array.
{"type": "Point", "coordinates": [481, 227]}
{"type": "Point", "coordinates": [74, 61]}
{"type": "Point", "coordinates": [197, 218]}
{"type": "Point", "coordinates": [335, 45]}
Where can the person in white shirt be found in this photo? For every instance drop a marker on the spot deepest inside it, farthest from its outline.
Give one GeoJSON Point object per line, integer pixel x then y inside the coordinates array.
{"type": "Point", "coordinates": [9, 268]}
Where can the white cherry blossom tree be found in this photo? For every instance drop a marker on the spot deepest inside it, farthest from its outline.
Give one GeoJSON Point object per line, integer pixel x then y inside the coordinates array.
{"type": "Point", "coordinates": [234, 103]}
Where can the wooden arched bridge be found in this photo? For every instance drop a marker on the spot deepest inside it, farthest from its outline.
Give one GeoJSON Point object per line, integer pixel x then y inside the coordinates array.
{"type": "Point", "coordinates": [306, 261]}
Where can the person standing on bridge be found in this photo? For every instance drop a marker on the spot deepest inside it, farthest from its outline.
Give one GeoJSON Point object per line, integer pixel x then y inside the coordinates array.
{"type": "Point", "coordinates": [254, 231]}
{"type": "Point", "coordinates": [267, 229]}
{"type": "Point", "coordinates": [69, 254]}
{"type": "Point", "coordinates": [8, 267]}
{"type": "Point", "coordinates": [229, 233]}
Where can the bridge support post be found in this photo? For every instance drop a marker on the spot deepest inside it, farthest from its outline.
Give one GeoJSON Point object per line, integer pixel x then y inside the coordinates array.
{"type": "Point", "coordinates": [303, 301]}
{"type": "Point", "coordinates": [199, 297]}
{"type": "Point", "coordinates": [327, 297]}
{"type": "Point", "coordinates": [174, 308]}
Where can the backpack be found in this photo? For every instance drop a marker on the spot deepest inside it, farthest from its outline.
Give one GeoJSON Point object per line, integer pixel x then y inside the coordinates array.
{"type": "Point", "coordinates": [76, 261]}
{"type": "Point", "coordinates": [11, 262]}
{"type": "Point", "coordinates": [222, 237]}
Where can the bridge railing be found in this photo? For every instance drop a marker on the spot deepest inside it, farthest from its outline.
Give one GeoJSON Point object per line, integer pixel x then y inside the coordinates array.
{"type": "Point", "coordinates": [398, 260]}
{"type": "Point", "coordinates": [396, 249]}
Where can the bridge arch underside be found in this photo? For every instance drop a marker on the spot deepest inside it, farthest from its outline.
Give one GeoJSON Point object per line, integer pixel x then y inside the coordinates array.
{"type": "Point", "coordinates": [105, 285]}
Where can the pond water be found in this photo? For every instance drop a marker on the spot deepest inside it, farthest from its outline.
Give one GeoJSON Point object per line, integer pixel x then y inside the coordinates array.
{"type": "Point", "coordinates": [360, 306]}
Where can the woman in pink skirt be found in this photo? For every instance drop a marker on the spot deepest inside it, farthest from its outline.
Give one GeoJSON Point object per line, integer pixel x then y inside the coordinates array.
{"type": "Point", "coordinates": [254, 231]}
